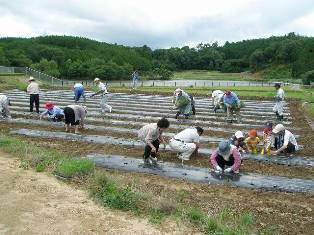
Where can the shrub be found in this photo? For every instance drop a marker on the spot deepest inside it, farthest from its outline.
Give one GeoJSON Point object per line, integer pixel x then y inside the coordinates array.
{"type": "Point", "coordinates": [75, 168]}
{"type": "Point", "coordinates": [195, 215]}
{"type": "Point", "coordinates": [308, 77]}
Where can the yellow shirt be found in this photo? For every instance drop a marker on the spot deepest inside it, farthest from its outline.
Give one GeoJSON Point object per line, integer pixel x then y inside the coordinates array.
{"type": "Point", "coordinates": [252, 142]}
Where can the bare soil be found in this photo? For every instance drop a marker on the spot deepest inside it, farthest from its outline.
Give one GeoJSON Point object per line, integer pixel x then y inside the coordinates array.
{"type": "Point", "coordinates": [34, 203]}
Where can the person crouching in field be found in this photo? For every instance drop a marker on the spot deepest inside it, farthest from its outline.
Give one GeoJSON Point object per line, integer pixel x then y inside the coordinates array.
{"type": "Point", "coordinates": [226, 159]}
{"type": "Point", "coordinates": [252, 141]}
{"type": "Point", "coordinates": [186, 142]}
{"type": "Point", "coordinates": [183, 103]}
{"type": "Point", "coordinates": [151, 135]}
{"type": "Point", "coordinates": [4, 107]}
{"type": "Point", "coordinates": [232, 105]}
{"type": "Point", "coordinates": [283, 141]}
{"type": "Point", "coordinates": [266, 142]}
{"type": "Point", "coordinates": [54, 113]}
{"type": "Point", "coordinates": [78, 89]}
{"type": "Point", "coordinates": [74, 115]}
{"type": "Point", "coordinates": [217, 99]}
{"type": "Point", "coordinates": [238, 140]}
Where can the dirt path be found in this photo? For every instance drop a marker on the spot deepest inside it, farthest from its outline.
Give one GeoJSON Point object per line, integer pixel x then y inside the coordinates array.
{"type": "Point", "coordinates": [34, 203]}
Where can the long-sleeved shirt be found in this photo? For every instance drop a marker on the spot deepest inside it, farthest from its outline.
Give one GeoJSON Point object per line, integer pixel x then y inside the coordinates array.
{"type": "Point", "coordinates": [53, 112]}
{"type": "Point", "coordinates": [233, 152]}
{"type": "Point", "coordinates": [280, 95]}
{"type": "Point", "coordinates": [149, 133]}
{"type": "Point", "coordinates": [229, 100]}
{"type": "Point", "coordinates": [4, 100]}
{"type": "Point", "coordinates": [33, 88]}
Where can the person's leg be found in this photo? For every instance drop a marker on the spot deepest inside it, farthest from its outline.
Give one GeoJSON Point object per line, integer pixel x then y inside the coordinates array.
{"type": "Point", "coordinates": [156, 145]}
{"type": "Point", "coordinates": [220, 161]}
{"type": "Point", "coordinates": [31, 103]}
{"type": "Point", "coordinates": [37, 103]}
{"type": "Point", "coordinates": [290, 148]}
{"type": "Point", "coordinates": [187, 150]}
{"type": "Point", "coordinates": [280, 110]}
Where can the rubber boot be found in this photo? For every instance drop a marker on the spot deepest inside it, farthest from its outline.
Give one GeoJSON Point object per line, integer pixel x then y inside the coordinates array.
{"type": "Point", "coordinates": [177, 115]}
{"type": "Point", "coordinates": [280, 118]}
{"type": "Point", "coordinates": [262, 151]}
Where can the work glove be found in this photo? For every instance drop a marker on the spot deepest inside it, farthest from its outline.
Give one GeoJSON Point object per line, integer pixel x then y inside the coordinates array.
{"type": "Point", "coordinates": [228, 170]}
{"type": "Point", "coordinates": [218, 169]}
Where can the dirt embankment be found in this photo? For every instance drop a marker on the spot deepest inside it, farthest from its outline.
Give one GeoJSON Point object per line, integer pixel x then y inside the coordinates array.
{"type": "Point", "coordinates": [34, 203]}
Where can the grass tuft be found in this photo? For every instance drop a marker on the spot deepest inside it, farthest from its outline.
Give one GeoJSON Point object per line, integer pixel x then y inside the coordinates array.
{"type": "Point", "coordinates": [75, 168]}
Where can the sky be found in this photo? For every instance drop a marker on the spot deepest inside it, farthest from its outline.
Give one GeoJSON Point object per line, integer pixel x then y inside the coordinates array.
{"type": "Point", "coordinates": [157, 23]}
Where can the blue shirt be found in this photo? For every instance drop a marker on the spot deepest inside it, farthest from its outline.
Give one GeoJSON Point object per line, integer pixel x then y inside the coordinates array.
{"type": "Point", "coordinates": [53, 112]}
{"type": "Point", "coordinates": [229, 100]}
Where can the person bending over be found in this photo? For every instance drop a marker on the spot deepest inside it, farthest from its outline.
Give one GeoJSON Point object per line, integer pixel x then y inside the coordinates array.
{"type": "Point", "coordinates": [151, 135]}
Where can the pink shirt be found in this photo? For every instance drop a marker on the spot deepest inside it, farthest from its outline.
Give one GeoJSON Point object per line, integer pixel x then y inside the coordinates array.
{"type": "Point", "coordinates": [236, 155]}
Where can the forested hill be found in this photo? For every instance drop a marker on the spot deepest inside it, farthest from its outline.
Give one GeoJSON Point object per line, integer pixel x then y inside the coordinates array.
{"type": "Point", "coordinates": [74, 57]}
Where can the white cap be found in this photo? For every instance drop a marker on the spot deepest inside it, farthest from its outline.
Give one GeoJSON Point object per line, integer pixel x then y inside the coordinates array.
{"type": "Point", "coordinates": [177, 90]}
{"type": "Point", "coordinates": [278, 128]}
{"type": "Point", "coordinates": [96, 79]}
{"type": "Point", "coordinates": [31, 79]}
{"type": "Point", "coordinates": [239, 134]}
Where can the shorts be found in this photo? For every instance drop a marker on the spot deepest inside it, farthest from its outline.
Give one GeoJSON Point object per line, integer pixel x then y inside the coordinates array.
{"type": "Point", "coordinates": [69, 116]}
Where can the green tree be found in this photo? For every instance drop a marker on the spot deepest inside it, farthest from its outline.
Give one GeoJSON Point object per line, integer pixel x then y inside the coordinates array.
{"type": "Point", "coordinates": [48, 67]}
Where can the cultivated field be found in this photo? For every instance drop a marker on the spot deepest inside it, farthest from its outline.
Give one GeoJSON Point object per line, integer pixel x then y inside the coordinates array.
{"type": "Point", "coordinates": [278, 191]}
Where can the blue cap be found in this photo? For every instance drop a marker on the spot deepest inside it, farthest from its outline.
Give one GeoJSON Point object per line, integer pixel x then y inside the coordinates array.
{"type": "Point", "coordinates": [269, 125]}
{"type": "Point", "coordinates": [224, 147]}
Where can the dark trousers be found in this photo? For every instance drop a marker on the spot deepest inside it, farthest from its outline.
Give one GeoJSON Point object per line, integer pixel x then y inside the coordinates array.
{"type": "Point", "coordinates": [69, 117]}
{"type": "Point", "coordinates": [34, 98]}
{"type": "Point", "coordinates": [148, 149]}
{"type": "Point", "coordinates": [222, 162]}
{"type": "Point", "coordinates": [290, 148]}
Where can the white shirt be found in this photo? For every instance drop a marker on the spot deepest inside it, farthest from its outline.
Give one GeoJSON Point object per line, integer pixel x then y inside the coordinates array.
{"type": "Point", "coordinates": [102, 87]}
{"type": "Point", "coordinates": [280, 93]}
{"type": "Point", "coordinates": [77, 85]}
{"type": "Point", "coordinates": [289, 137]}
{"type": "Point", "coordinates": [188, 135]}
{"type": "Point", "coordinates": [33, 88]}
{"type": "Point", "coordinates": [3, 100]}
{"type": "Point", "coordinates": [216, 93]}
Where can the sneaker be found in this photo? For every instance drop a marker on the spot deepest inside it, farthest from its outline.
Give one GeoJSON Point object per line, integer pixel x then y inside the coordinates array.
{"type": "Point", "coordinates": [183, 158]}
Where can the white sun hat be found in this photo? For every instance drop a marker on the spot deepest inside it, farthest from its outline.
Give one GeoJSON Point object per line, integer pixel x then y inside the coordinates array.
{"type": "Point", "coordinates": [278, 128]}
{"type": "Point", "coordinates": [96, 79]}
{"type": "Point", "coordinates": [239, 134]}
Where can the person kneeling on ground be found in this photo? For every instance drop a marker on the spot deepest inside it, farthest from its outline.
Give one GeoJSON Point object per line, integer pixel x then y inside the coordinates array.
{"type": "Point", "coordinates": [151, 135]}
{"type": "Point", "coordinates": [183, 103]}
{"type": "Point", "coordinates": [4, 106]}
{"type": "Point", "coordinates": [226, 158]}
{"type": "Point", "coordinates": [283, 141]}
{"type": "Point", "coordinates": [217, 99]}
{"type": "Point", "coordinates": [238, 140]}
{"type": "Point", "coordinates": [232, 104]}
{"type": "Point", "coordinates": [74, 115]}
{"type": "Point", "coordinates": [53, 112]}
{"type": "Point", "coordinates": [252, 141]}
{"type": "Point", "coordinates": [186, 142]}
